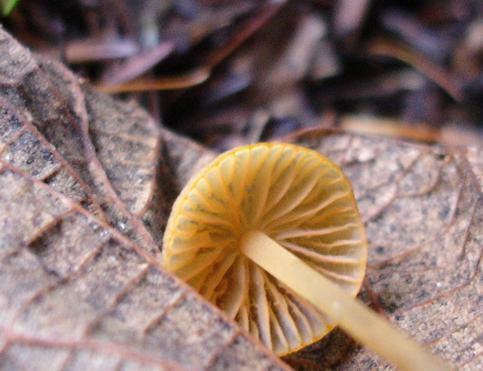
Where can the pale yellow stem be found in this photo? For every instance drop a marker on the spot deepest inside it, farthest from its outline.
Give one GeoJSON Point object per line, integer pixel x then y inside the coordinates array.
{"type": "Point", "coordinates": [365, 326]}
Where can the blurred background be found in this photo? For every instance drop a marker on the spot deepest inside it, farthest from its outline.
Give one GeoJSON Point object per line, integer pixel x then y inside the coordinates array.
{"type": "Point", "coordinates": [230, 72]}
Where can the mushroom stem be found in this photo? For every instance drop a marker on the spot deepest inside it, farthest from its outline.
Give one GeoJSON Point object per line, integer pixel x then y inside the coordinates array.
{"type": "Point", "coordinates": [352, 316]}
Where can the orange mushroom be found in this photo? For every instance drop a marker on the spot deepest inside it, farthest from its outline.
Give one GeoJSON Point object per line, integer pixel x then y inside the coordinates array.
{"type": "Point", "coordinates": [271, 234]}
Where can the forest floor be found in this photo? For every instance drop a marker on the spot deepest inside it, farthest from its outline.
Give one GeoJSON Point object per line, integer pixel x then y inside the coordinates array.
{"type": "Point", "coordinates": [227, 73]}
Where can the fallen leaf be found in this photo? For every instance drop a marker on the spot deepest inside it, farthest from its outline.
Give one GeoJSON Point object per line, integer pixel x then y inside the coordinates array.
{"type": "Point", "coordinates": [78, 291]}
{"type": "Point", "coordinates": [423, 209]}
{"type": "Point", "coordinates": [52, 98]}
{"type": "Point", "coordinates": [23, 146]}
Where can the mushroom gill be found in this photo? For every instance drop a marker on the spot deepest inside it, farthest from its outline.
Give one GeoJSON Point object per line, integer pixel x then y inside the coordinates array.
{"type": "Point", "coordinates": [271, 234]}
{"type": "Point", "coordinates": [295, 196]}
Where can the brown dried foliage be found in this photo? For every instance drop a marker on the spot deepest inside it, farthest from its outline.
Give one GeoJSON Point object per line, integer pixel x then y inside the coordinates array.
{"type": "Point", "coordinates": [82, 188]}
{"type": "Point", "coordinates": [86, 184]}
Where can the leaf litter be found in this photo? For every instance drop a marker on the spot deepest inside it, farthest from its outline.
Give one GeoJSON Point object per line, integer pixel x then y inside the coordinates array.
{"type": "Point", "coordinates": [78, 292]}
{"type": "Point", "coordinates": [81, 283]}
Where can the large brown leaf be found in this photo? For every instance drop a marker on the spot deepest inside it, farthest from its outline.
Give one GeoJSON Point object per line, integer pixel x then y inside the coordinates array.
{"type": "Point", "coordinates": [81, 286]}
{"type": "Point", "coordinates": [78, 294]}
{"type": "Point", "coordinates": [58, 107]}
{"type": "Point", "coordinates": [423, 209]}
{"type": "Point", "coordinates": [75, 292]}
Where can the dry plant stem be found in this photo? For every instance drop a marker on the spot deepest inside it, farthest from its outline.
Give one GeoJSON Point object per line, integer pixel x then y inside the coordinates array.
{"type": "Point", "coordinates": [352, 316]}
{"type": "Point", "coordinates": [183, 81]}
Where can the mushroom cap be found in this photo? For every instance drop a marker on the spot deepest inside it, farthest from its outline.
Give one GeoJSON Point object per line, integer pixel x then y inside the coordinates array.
{"type": "Point", "coordinates": [297, 197]}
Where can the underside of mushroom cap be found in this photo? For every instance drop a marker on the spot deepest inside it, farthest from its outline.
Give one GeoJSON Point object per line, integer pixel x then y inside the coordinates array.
{"type": "Point", "coordinates": [295, 196]}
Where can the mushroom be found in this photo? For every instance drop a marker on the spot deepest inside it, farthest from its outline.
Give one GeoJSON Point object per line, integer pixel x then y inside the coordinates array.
{"type": "Point", "coordinates": [271, 234]}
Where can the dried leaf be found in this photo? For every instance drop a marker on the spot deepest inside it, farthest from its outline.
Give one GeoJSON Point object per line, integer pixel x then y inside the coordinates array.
{"type": "Point", "coordinates": [75, 292]}
{"type": "Point", "coordinates": [423, 209]}
{"type": "Point", "coordinates": [22, 145]}
{"type": "Point", "coordinates": [52, 96]}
